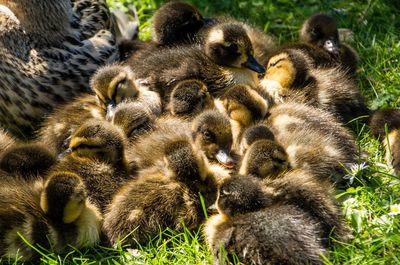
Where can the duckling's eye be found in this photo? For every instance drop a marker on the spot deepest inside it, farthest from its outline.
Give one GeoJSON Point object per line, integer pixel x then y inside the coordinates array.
{"type": "Point", "coordinates": [224, 193]}
{"type": "Point", "coordinates": [233, 47]}
{"type": "Point", "coordinates": [207, 136]}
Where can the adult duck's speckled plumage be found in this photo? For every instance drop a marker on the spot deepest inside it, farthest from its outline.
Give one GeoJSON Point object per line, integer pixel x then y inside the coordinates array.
{"type": "Point", "coordinates": [37, 75]}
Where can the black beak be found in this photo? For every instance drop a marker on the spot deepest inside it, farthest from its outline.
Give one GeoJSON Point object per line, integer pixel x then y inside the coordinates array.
{"type": "Point", "coordinates": [252, 64]}
{"type": "Point", "coordinates": [331, 46]}
{"type": "Point", "coordinates": [111, 110]}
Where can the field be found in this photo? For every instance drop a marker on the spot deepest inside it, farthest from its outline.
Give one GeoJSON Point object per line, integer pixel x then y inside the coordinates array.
{"type": "Point", "coordinates": [370, 202]}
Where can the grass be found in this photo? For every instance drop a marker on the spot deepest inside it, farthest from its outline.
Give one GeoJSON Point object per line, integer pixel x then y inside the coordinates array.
{"type": "Point", "coordinates": [366, 204]}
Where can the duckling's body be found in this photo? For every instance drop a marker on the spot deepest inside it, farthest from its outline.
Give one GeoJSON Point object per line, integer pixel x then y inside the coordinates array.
{"type": "Point", "coordinates": [385, 125]}
{"type": "Point", "coordinates": [48, 59]}
{"type": "Point", "coordinates": [313, 139]}
{"type": "Point", "coordinates": [54, 215]}
{"type": "Point", "coordinates": [27, 160]}
{"type": "Point", "coordinates": [189, 98]}
{"type": "Point", "coordinates": [6, 140]}
{"type": "Point", "coordinates": [320, 30]}
{"type": "Point", "coordinates": [223, 58]}
{"type": "Point", "coordinates": [264, 159]}
{"type": "Point", "coordinates": [163, 196]}
{"type": "Point", "coordinates": [292, 76]}
{"type": "Point", "coordinates": [272, 224]}
{"type": "Point", "coordinates": [96, 153]}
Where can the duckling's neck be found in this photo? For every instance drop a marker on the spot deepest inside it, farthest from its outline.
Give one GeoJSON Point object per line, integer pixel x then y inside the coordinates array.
{"type": "Point", "coordinates": [47, 22]}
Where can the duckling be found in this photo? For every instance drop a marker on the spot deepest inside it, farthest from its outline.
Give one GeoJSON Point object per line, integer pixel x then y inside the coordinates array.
{"type": "Point", "coordinates": [259, 231]}
{"type": "Point", "coordinates": [385, 125]}
{"type": "Point", "coordinates": [112, 85]}
{"type": "Point", "coordinates": [163, 196]}
{"type": "Point", "coordinates": [97, 153]}
{"type": "Point", "coordinates": [244, 106]}
{"type": "Point", "coordinates": [264, 159]}
{"type": "Point", "coordinates": [320, 30]}
{"type": "Point", "coordinates": [176, 23]}
{"type": "Point", "coordinates": [254, 133]}
{"type": "Point", "coordinates": [225, 58]}
{"type": "Point", "coordinates": [313, 139]}
{"type": "Point", "coordinates": [54, 215]}
{"type": "Point", "coordinates": [189, 98]}
{"type": "Point", "coordinates": [27, 160]}
{"type": "Point", "coordinates": [134, 119]}
{"type": "Point", "coordinates": [210, 132]}
{"type": "Point", "coordinates": [50, 59]}
{"type": "Point", "coordinates": [291, 77]}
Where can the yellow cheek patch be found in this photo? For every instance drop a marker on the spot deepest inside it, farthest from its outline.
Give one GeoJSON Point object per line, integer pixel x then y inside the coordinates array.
{"type": "Point", "coordinates": [281, 69]}
{"type": "Point", "coordinates": [112, 86]}
{"type": "Point", "coordinates": [72, 210]}
{"type": "Point", "coordinates": [239, 113]}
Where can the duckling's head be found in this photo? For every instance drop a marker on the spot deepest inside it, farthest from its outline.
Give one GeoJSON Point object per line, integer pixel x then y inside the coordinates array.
{"type": "Point", "coordinates": [212, 133]}
{"type": "Point", "coordinates": [288, 68]}
{"type": "Point", "coordinates": [321, 30]}
{"type": "Point", "coordinates": [185, 163]}
{"type": "Point", "coordinates": [134, 119]}
{"type": "Point", "coordinates": [64, 197]}
{"type": "Point", "coordinates": [27, 160]}
{"type": "Point", "coordinates": [254, 133]}
{"type": "Point", "coordinates": [189, 97]}
{"type": "Point", "coordinates": [240, 194]}
{"type": "Point", "coordinates": [99, 140]}
{"type": "Point", "coordinates": [229, 45]}
{"type": "Point", "coordinates": [264, 159]}
{"type": "Point", "coordinates": [113, 84]}
{"type": "Point", "coordinates": [243, 104]}
{"type": "Point", "coordinates": [176, 22]}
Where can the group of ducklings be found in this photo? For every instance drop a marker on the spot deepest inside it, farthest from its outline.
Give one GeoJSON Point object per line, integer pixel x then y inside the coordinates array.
{"type": "Point", "coordinates": [208, 116]}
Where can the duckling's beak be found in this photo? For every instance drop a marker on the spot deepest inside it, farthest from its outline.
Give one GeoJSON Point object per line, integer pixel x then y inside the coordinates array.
{"type": "Point", "coordinates": [111, 110]}
{"type": "Point", "coordinates": [225, 159]}
{"type": "Point", "coordinates": [212, 208]}
{"type": "Point", "coordinates": [331, 46]}
{"type": "Point", "coordinates": [252, 64]}
{"type": "Point", "coordinates": [65, 153]}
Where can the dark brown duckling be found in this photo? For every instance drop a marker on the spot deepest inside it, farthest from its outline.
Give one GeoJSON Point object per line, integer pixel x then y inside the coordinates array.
{"type": "Point", "coordinates": [176, 23]}
{"type": "Point", "coordinates": [291, 77]}
{"type": "Point", "coordinates": [254, 133]}
{"type": "Point", "coordinates": [163, 196]}
{"type": "Point", "coordinates": [264, 159]}
{"type": "Point", "coordinates": [320, 30]}
{"type": "Point", "coordinates": [55, 215]}
{"type": "Point", "coordinates": [385, 125]}
{"type": "Point", "coordinates": [189, 98]}
{"type": "Point", "coordinates": [225, 58]}
{"type": "Point", "coordinates": [27, 160]}
{"type": "Point", "coordinates": [97, 153]}
{"type": "Point", "coordinates": [257, 230]}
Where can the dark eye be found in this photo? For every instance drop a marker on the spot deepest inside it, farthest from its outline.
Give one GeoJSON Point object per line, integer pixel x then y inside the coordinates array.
{"type": "Point", "coordinates": [233, 47]}
{"type": "Point", "coordinates": [207, 135]}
